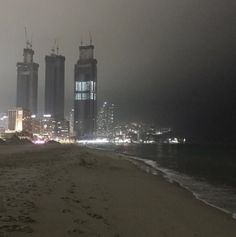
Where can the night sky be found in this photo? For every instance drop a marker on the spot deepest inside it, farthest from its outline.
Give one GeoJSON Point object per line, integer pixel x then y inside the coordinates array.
{"type": "Point", "coordinates": [166, 62]}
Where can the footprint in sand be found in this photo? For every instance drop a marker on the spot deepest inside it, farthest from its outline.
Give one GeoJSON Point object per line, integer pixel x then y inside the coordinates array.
{"type": "Point", "coordinates": [66, 211]}
{"type": "Point", "coordinates": [86, 207]}
{"type": "Point", "coordinates": [77, 231]}
{"type": "Point", "coordinates": [79, 221]}
{"type": "Point", "coordinates": [95, 216]}
{"type": "Point", "coordinates": [29, 205]}
{"type": "Point", "coordinates": [65, 198]}
{"type": "Point", "coordinates": [7, 219]}
{"type": "Point", "coordinates": [71, 191]}
{"type": "Point", "coordinates": [16, 228]}
{"type": "Point", "coordinates": [26, 219]}
{"type": "Point", "coordinates": [24, 212]}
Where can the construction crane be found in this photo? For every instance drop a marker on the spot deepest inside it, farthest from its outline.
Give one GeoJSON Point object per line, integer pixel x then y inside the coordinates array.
{"type": "Point", "coordinates": [28, 43]}
{"type": "Point", "coordinates": [55, 47]}
{"type": "Point", "coordinates": [90, 38]}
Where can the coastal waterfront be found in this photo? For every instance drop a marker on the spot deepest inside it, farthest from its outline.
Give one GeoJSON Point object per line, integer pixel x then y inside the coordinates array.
{"type": "Point", "coordinates": [208, 171]}
{"type": "Point", "coordinates": [66, 190]}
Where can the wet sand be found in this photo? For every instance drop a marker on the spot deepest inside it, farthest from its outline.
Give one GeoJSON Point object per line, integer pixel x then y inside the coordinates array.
{"type": "Point", "coordinates": [62, 190]}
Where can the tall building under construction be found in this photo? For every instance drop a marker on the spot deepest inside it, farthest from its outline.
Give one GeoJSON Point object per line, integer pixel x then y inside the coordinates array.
{"type": "Point", "coordinates": [55, 85]}
{"type": "Point", "coordinates": [27, 81]}
{"type": "Point", "coordinates": [85, 100]}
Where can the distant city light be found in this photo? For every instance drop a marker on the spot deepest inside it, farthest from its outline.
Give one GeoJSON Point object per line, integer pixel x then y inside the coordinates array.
{"type": "Point", "coordinates": [47, 115]}
{"type": "Point", "coordinates": [38, 142]}
{"type": "Point", "coordinates": [95, 141]}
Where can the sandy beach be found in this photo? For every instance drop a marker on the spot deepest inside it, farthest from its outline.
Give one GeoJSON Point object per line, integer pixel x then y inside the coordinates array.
{"type": "Point", "coordinates": [65, 190]}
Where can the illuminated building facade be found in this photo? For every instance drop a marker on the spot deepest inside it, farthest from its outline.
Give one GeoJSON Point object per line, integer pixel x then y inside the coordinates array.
{"type": "Point", "coordinates": [36, 125]}
{"type": "Point", "coordinates": [71, 121]}
{"type": "Point", "coordinates": [55, 86]}
{"type": "Point", "coordinates": [85, 100]}
{"type": "Point", "coordinates": [27, 82]}
{"type": "Point", "coordinates": [105, 121]}
{"type": "Point", "coordinates": [62, 130]}
{"type": "Point", "coordinates": [48, 126]}
{"type": "Point", "coordinates": [54, 130]}
{"type": "Point", "coordinates": [19, 120]}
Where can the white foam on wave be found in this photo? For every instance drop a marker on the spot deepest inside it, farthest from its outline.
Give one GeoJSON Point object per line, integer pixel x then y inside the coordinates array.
{"type": "Point", "coordinates": [185, 181]}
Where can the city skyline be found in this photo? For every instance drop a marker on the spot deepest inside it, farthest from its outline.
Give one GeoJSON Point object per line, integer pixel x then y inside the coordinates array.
{"type": "Point", "coordinates": [173, 63]}
{"type": "Point", "coordinates": [118, 118]}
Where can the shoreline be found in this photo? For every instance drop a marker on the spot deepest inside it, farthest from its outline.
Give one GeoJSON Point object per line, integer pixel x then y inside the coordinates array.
{"type": "Point", "coordinates": [161, 175]}
{"type": "Point", "coordinates": [195, 195]}
{"type": "Point", "coordinates": [137, 161]}
{"type": "Point", "coordinates": [67, 190]}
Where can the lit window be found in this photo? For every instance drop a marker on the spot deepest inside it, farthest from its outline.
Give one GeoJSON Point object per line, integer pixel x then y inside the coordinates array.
{"type": "Point", "coordinates": [85, 96]}
{"type": "Point", "coordinates": [85, 86]}
{"type": "Point", "coordinates": [92, 96]}
{"type": "Point", "coordinates": [78, 86]}
{"type": "Point", "coordinates": [77, 96]}
{"type": "Point", "coordinates": [82, 96]}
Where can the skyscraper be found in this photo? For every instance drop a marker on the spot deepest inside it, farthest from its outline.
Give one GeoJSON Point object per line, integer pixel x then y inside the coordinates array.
{"type": "Point", "coordinates": [85, 100]}
{"type": "Point", "coordinates": [55, 85]}
{"type": "Point", "coordinates": [27, 81]}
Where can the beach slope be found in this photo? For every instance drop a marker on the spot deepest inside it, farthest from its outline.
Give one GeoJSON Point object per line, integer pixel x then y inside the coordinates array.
{"type": "Point", "coordinates": [65, 190]}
